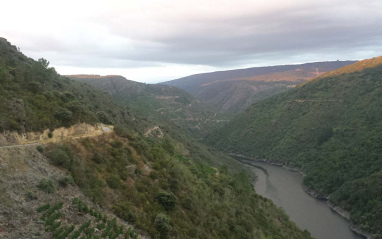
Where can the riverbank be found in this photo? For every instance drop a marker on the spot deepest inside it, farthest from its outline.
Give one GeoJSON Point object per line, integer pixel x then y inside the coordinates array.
{"type": "Point", "coordinates": [343, 213]}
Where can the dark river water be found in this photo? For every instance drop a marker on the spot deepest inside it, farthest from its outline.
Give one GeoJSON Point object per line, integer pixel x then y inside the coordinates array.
{"type": "Point", "coordinates": [284, 188]}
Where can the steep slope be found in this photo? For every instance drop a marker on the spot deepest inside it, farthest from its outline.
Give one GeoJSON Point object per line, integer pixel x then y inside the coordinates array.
{"type": "Point", "coordinates": [331, 128]}
{"type": "Point", "coordinates": [34, 97]}
{"type": "Point", "coordinates": [235, 90]}
{"type": "Point", "coordinates": [167, 104]}
{"type": "Point", "coordinates": [169, 186]}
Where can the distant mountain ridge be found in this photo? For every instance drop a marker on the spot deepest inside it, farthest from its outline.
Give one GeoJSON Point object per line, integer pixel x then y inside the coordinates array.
{"type": "Point", "coordinates": [235, 90]}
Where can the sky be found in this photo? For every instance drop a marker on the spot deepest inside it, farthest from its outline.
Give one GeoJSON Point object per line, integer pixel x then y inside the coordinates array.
{"type": "Point", "coordinates": [157, 40]}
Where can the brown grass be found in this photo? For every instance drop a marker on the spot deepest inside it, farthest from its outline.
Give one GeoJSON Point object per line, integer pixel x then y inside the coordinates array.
{"type": "Point", "coordinates": [356, 67]}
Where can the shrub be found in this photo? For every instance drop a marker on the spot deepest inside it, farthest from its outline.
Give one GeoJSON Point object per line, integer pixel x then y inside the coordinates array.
{"type": "Point", "coordinates": [40, 148]}
{"type": "Point", "coordinates": [162, 224]}
{"type": "Point", "coordinates": [30, 196]}
{"type": "Point", "coordinates": [103, 118]}
{"type": "Point", "coordinates": [167, 200]}
{"type": "Point", "coordinates": [50, 134]}
{"type": "Point", "coordinates": [43, 208]}
{"type": "Point", "coordinates": [59, 157]}
{"type": "Point", "coordinates": [76, 200]}
{"type": "Point", "coordinates": [124, 132]}
{"type": "Point", "coordinates": [63, 115]}
{"type": "Point", "coordinates": [166, 145]}
{"type": "Point", "coordinates": [97, 158]}
{"type": "Point", "coordinates": [113, 182]}
{"type": "Point", "coordinates": [46, 185]}
{"type": "Point", "coordinates": [116, 144]}
{"type": "Point", "coordinates": [65, 181]}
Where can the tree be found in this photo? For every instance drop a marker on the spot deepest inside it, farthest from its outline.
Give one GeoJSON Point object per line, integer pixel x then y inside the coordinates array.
{"type": "Point", "coordinates": [63, 114]}
{"type": "Point", "coordinates": [167, 200]}
{"type": "Point", "coordinates": [44, 62]}
{"type": "Point", "coordinates": [59, 157]}
{"type": "Point", "coordinates": [162, 224]}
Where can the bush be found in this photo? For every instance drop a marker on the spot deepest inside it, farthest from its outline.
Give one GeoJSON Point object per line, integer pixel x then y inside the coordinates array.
{"type": "Point", "coordinates": [162, 224]}
{"type": "Point", "coordinates": [116, 144]}
{"type": "Point", "coordinates": [167, 200]}
{"type": "Point", "coordinates": [103, 118]}
{"type": "Point", "coordinates": [43, 208]}
{"type": "Point", "coordinates": [122, 131]}
{"type": "Point", "coordinates": [59, 157]}
{"type": "Point", "coordinates": [46, 185]}
{"type": "Point", "coordinates": [97, 158]}
{"type": "Point", "coordinates": [63, 115]}
{"type": "Point", "coordinates": [166, 145]}
{"type": "Point", "coordinates": [76, 201]}
{"type": "Point", "coordinates": [29, 196]}
{"type": "Point", "coordinates": [65, 181]}
{"type": "Point", "coordinates": [113, 182]}
{"type": "Point", "coordinates": [50, 134]}
{"type": "Point", "coordinates": [40, 148]}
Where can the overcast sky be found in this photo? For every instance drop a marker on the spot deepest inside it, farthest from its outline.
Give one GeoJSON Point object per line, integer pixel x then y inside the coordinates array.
{"type": "Point", "coordinates": [158, 40]}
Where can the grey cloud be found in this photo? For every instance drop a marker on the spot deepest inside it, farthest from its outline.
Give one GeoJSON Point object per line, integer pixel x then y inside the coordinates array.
{"type": "Point", "coordinates": [345, 28]}
{"type": "Point", "coordinates": [298, 31]}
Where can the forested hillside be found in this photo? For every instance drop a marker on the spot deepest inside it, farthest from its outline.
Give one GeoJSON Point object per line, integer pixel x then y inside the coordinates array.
{"type": "Point", "coordinates": [34, 97]}
{"type": "Point", "coordinates": [331, 128]}
{"type": "Point", "coordinates": [236, 90]}
{"type": "Point", "coordinates": [168, 186]}
{"type": "Point", "coordinates": [168, 105]}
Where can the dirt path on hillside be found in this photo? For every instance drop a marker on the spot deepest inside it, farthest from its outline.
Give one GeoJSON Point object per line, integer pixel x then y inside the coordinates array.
{"type": "Point", "coordinates": [18, 145]}
{"type": "Point", "coordinates": [59, 136]}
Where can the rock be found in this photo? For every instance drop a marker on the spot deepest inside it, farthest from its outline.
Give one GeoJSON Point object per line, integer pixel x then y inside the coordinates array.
{"type": "Point", "coordinates": [131, 169]}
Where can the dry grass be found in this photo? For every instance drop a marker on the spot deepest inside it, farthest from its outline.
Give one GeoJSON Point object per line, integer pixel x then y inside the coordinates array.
{"type": "Point", "coordinates": [356, 67]}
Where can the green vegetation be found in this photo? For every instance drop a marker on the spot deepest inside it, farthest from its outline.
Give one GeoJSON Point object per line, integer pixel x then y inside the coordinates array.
{"type": "Point", "coordinates": [332, 129]}
{"type": "Point", "coordinates": [43, 208]}
{"type": "Point", "coordinates": [54, 225]}
{"type": "Point", "coordinates": [40, 148]}
{"type": "Point", "coordinates": [46, 185]}
{"type": "Point", "coordinates": [163, 104]}
{"type": "Point", "coordinates": [65, 181]}
{"type": "Point", "coordinates": [235, 90]}
{"type": "Point", "coordinates": [59, 157]}
{"type": "Point", "coordinates": [168, 197]}
{"type": "Point", "coordinates": [34, 97]}
{"type": "Point", "coordinates": [170, 186]}
{"type": "Point", "coordinates": [167, 200]}
{"type": "Point", "coordinates": [29, 196]}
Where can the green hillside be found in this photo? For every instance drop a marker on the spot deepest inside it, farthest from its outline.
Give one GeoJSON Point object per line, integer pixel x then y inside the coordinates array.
{"type": "Point", "coordinates": [166, 104]}
{"type": "Point", "coordinates": [168, 186]}
{"type": "Point", "coordinates": [331, 128]}
{"type": "Point", "coordinates": [34, 97]}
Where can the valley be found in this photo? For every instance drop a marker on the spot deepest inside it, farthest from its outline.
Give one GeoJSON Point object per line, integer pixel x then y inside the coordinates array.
{"type": "Point", "coordinates": [159, 119]}
{"type": "Point", "coordinates": [330, 129]}
{"type": "Point", "coordinates": [170, 186]}
{"type": "Point", "coordinates": [168, 105]}
{"type": "Point", "coordinates": [156, 158]}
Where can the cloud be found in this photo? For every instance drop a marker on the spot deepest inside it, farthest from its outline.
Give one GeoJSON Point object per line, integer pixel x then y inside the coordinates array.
{"type": "Point", "coordinates": [166, 36]}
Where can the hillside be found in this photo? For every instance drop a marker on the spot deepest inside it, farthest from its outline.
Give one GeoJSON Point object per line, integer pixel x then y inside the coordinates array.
{"type": "Point", "coordinates": [331, 129]}
{"type": "Point", "coordinates": [34, 97]}
{"type": "Point", "coordinates": [168, 105]}
{"type": "Point", "coordinates": [235, 90]}
{"type": "Point", "coordinates": [68, 179]}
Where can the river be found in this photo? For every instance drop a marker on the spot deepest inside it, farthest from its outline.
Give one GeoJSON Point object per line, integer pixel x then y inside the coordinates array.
{"type": "Point", "coordinates": [284, 188]}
